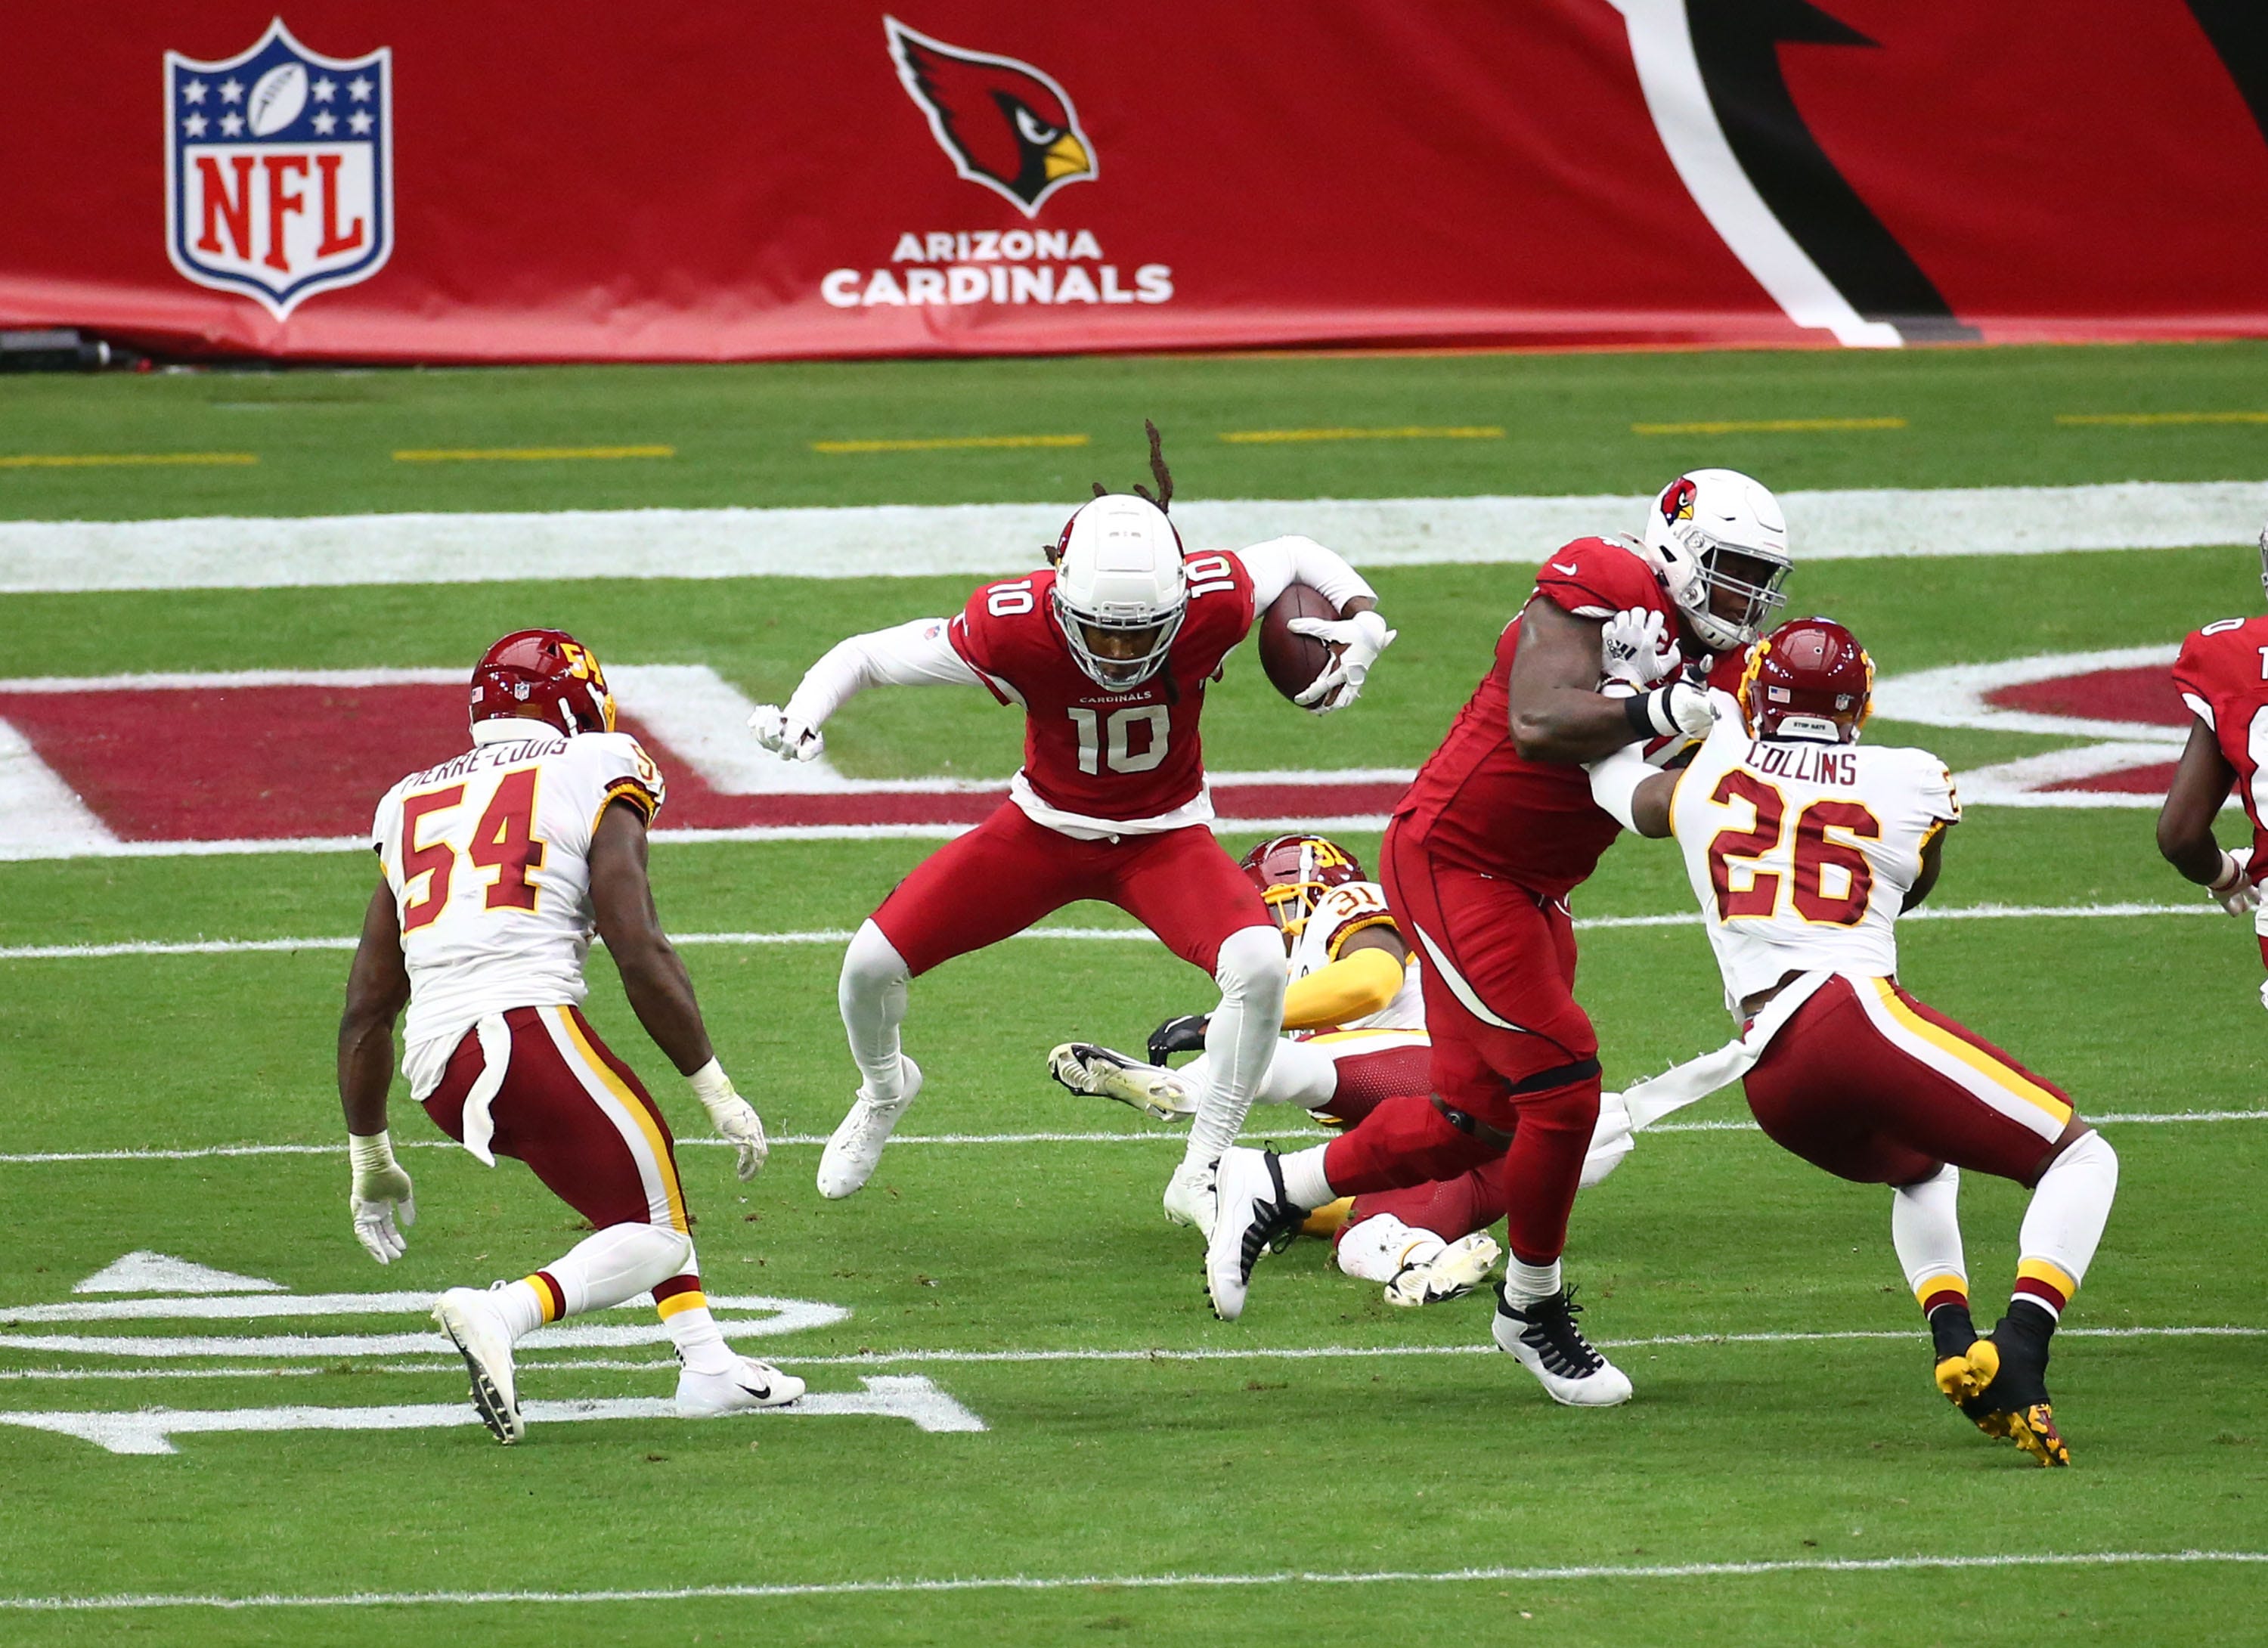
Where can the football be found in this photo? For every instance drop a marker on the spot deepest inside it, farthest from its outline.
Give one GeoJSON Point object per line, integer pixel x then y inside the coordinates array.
{"type": "Point", "coordinates": [276, 99]}
{"type": "Point", "coordinates": [1294, 661]}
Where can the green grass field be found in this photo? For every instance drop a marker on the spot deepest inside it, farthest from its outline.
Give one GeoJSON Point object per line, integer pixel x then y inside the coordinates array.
{"type": "Point", "coordinates": [1156, 1476]}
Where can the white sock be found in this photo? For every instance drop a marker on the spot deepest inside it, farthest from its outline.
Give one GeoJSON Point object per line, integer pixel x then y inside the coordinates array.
{"type": "Point", "coordinates": [1926, 1230]}
{"type": "Point", "coordinates": [2064, 1223]}
{"type": "Point", "coordinates": [1376, 1249]}
{"type": "Point", "coordinates": [618, 1263]}
{"type": "Point", "coordinates": [1304, 1184]}
{"type": "Point", "coordinates": [700, 1345]}
{"type": "Point", "coordinates": [1242, 1038]}
{"type": "Point", "coordinates": [871, 994]}
{"type": "Point", "coordinates": [1524, 1284]}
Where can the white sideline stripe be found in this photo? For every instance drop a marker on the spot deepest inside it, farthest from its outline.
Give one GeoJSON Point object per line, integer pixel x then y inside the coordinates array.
{"type": "Point", "coordinates": [443, 1363]}
{"type": "Point", "coordinates": [1089, 935]}
{"type": "Point", "coordinates": [205, 1152]}
{"type": "Point", "coordinates": [897, 539]}
{"type": "Point", "coordinates": [2002, 1560]}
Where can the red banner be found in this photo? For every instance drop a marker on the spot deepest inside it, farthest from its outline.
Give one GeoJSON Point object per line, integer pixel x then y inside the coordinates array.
{"type": "Point", "coordinates": [712, 180]}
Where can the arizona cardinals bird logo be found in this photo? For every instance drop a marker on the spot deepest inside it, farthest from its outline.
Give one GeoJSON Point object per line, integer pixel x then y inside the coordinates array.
{"type": "Point", "coordinates": [1677, 501]}
{"type": "Point", "coordinates": [1005, 124]}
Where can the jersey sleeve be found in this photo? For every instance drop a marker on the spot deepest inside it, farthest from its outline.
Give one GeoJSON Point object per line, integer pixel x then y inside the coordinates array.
{"type": "Point", "coordinates": [1597, 578]}
{"type": "Point", "coordinates": [605, 767]}
{"type": "Point", "coordinates": [986, 634]}
{"type": "Point", "coordinates": [1222, 606]}
{"type": "Point", "coordinates": [1933, 789]}
{"type": "Point", "coordinates": [385, 833]}
{"type": "Point", "coordinates": [1346, 911]}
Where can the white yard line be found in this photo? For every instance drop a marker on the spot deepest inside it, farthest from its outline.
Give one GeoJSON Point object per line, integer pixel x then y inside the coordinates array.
{"type": "Point", "coordinates": [1994, 1561]}
{"type": "Point", "coordinates": [444, 1361]}
{"type": "Point", "coordinates": [972, 540]}
{"type": "Point", "coordinates": [1074, 935]}
{"type": "Point", "coordinates": [205, 1152]}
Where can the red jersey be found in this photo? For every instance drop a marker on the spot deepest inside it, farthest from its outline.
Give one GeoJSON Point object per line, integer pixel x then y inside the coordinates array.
{"type": "Point", "coordinates": [1089, 752]}
{"type": "Point", "coordinates": [2223, 676]}
{"type": "Point", "coordinates": [1475, 801]}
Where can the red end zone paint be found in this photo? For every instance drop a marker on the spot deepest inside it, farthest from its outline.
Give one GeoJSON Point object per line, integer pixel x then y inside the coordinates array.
{"type": "Point", "coordinates": [2146, 695]}
{"type": "Point", "coordinates": [243, 763]}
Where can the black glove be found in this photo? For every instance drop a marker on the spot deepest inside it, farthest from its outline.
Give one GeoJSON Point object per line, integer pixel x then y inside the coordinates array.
{"type": "Point", "coordinates": [1184, 1034]}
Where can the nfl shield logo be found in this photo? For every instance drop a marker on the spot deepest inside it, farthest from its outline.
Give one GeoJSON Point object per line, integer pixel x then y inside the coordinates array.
{"type": "Point", "coordinates": [279, 169]}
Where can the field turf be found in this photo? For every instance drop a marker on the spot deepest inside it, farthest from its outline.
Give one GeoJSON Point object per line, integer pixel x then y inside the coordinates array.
{"type": "Point", "coordinates": [1327, 1468]}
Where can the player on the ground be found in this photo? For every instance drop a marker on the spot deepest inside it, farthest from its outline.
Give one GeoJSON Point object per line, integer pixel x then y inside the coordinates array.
{"type": "Point", "coordinates": [1478, 862]}
{"type": "Point", "coordinates": [496, 868]}
{"type": "Point", "coordinates": [1803, 848]}
{"type": "Point", "coordinates": [1107, 651]}
{"type": "Point", "coordinates": [1354, 1017]}
{"type": "Point", "coordinates": [2222, 673]}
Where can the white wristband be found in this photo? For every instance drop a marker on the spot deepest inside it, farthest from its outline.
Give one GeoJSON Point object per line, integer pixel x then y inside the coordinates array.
{"type": "Point", "coordinates": [712, 1087]}
{"type": "Point", "coordinates": [371, 1152]}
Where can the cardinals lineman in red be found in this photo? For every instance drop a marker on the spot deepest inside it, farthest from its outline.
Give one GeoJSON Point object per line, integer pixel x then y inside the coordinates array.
{"type": "Point", "coordinates": [1478, 862]}
{"type": "Point", "coordinates": [1109, 652]}
{"type": "Point", "coordinates": [2222, 673]}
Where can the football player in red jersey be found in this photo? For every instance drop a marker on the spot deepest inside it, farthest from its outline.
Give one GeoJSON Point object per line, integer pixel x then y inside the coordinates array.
{"type": "Point", "coordinates": [2222, 673]}
{"type": "Point", "coordinates": [1479, 859]}
{"type": "Point", "coordinates": [1107, 651]}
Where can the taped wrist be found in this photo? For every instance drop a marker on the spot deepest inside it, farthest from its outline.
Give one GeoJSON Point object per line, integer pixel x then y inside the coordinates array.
{"type": "Point", "coordinates": [712, 1087]}
{"type": "Point", "coordinates": [2232, 873]}
{"type": "Point", "coordinates": [371, 1152]}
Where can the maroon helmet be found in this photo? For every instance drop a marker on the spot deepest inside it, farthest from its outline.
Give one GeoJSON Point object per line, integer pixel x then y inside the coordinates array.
{"type": "Point", "coordinates": [1292, 872]}
{"type": "Point", "coordinates": [548, 668]}
{"type": "Point", "coordinates": [1808, 679]}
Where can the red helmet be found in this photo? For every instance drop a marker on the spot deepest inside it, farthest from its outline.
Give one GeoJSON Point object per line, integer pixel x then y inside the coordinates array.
{"type": "Point", "coordinates": [1808, 679]}
{"type": "Point", "coordinates": [548, 668]}
{"type": "Point", "coordinates": [1292, 872]}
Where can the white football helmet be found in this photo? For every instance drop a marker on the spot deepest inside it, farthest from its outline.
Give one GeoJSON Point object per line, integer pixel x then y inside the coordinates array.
{"type": "Point", "coordinates": [1703, 520]}
{"type": "Point", "coordinates": [1120, 591]}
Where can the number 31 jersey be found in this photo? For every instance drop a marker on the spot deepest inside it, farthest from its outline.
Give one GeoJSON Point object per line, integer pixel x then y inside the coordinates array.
{"type": "Point", "coordinates": [1802, 853]}
{"type": "Point", "coordinates": [489, 856]}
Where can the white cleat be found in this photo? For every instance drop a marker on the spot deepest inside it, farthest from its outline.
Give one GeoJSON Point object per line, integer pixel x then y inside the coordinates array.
{"type": "Point", "coordinates": [1542, 1337]}
{"type": "Point", "coordinates": [750, 1385]}
{"type": "Point", "coordinates": [477, 1326]}
{"type": "Point", "coordinates": [855, 1146]}
{"type": "Point", "coordinates": [1188, 1197]}
{"type": "Point", "coordinates": [1157, 1092]}
{"type": "Point", "coordinates": [1446, 1273]}
{"type": "Point", "coordinates": [1252, 1217]}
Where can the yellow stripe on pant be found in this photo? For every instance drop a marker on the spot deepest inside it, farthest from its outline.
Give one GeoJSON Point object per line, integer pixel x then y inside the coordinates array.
{"type": "Point", "coordinates": [637, 1113]}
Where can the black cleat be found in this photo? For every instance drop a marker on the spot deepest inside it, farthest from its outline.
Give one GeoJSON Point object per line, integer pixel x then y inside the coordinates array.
{"type": "Point", "coordinates": [2015, 1403]}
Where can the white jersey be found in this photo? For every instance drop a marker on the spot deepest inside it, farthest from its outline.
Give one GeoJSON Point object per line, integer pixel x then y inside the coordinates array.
{"type": "Point", "coordinates": [1338, 915]}
{"type": "Point", "coordinates": [1802, 853]}
{"type": "Point", "coordinates": [489, 856]}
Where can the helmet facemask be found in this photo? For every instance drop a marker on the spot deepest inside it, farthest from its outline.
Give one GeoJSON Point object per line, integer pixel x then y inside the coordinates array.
{"type": "Point", "coordinates": [1118, 645]}
{"type": "Point", "coordinates": [1729, 577]}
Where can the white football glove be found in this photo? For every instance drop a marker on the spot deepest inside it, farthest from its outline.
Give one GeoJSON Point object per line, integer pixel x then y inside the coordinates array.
{"type": "Point", "coordinates": [736, 1119]}
{"type": "Point", "coordinates": [381, 1195]}
{"type": "Point", "coordinates": [1675, 708]}
{"type": "Point", "coordinates": [788, 737]}
{"type": "Point", "coordinates": [1360, 639]}
{"type": "Point", "coordinates": [2233, 889]}
{"type": "Point", "coordinates": [1634, 647]}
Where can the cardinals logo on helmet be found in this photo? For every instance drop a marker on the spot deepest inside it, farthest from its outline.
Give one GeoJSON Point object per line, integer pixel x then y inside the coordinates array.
{"type": "Point", "coordinates": [1006, 124]}
{"type": "Point", "coordinates": [1677, 501]}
